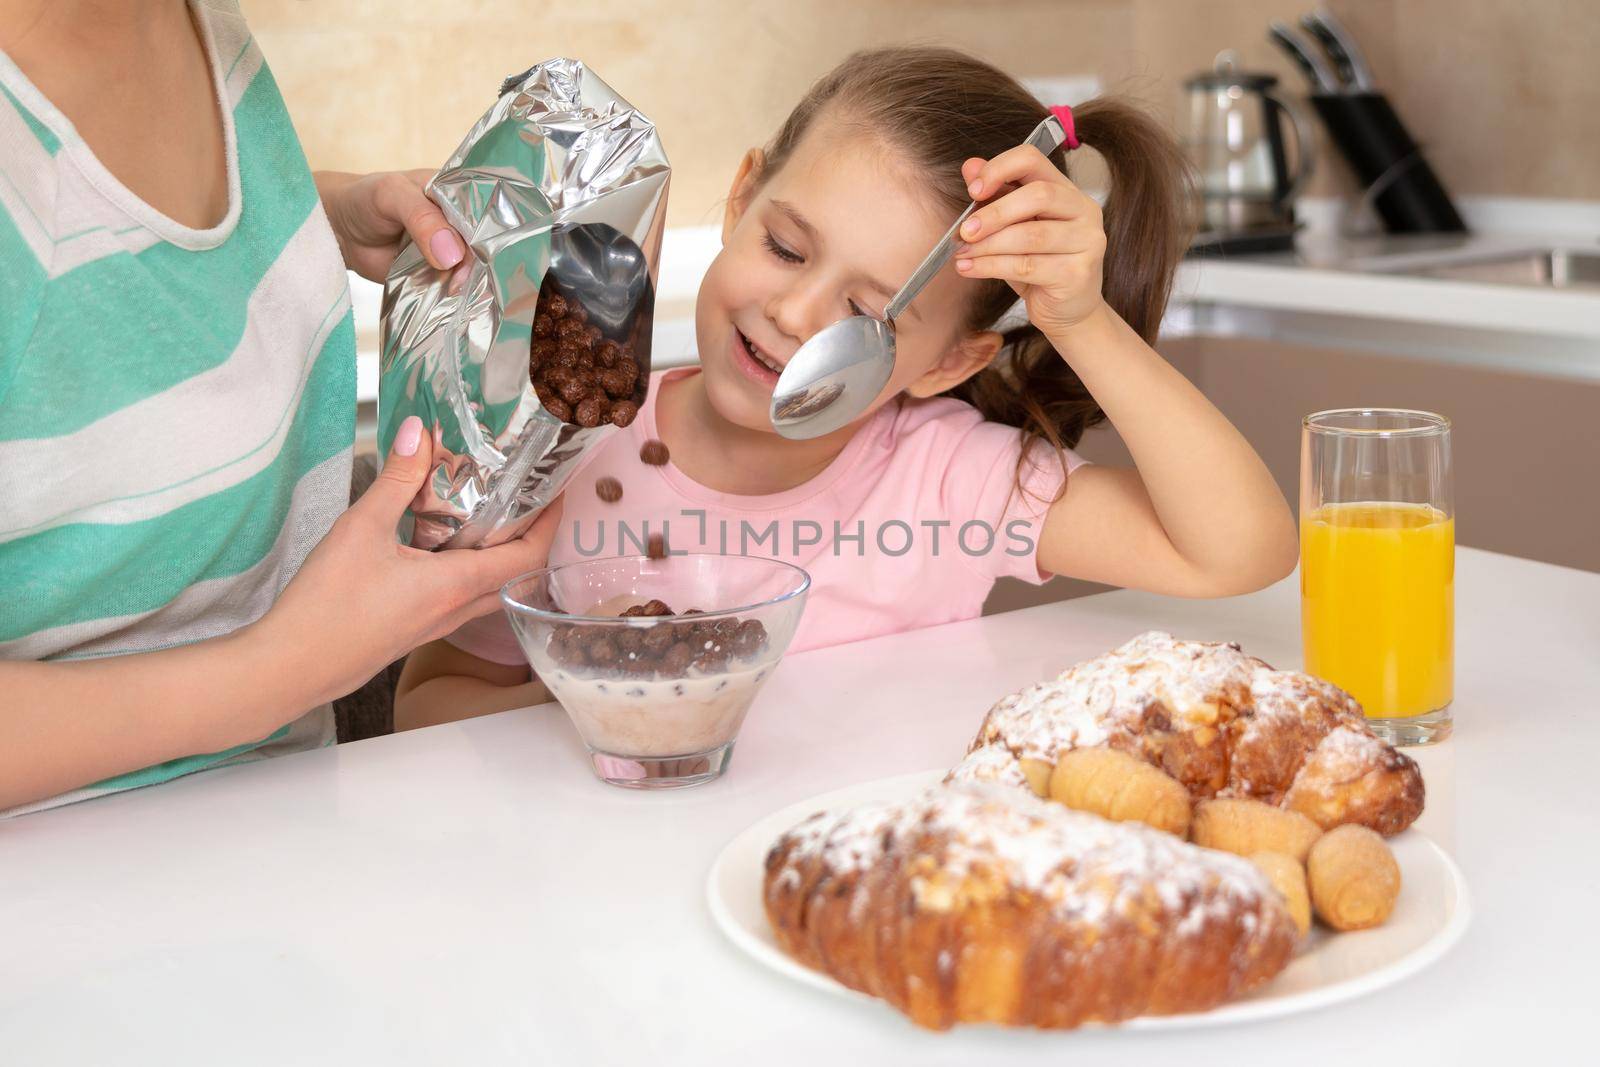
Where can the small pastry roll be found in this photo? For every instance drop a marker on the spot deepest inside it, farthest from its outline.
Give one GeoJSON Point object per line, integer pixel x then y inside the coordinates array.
{"type": "Point", "coordinates": [1354, 878]}
{"type": "Point", "coordinates": [1245, 827]}
{"type": "Point", "coordinates": [1037, 772]}
{"type": "Point", "coordinates": [1289, 879]}
{"type": "Point", "coordinates": [1120, 787]}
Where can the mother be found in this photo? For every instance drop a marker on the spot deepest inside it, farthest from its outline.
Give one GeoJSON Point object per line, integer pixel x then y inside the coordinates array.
{"type": "Point", "coordinates": [178, 587]}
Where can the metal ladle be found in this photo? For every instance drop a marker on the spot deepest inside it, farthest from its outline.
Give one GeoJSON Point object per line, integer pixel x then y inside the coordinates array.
{"type": "Point", "coordinates": [837, 374]}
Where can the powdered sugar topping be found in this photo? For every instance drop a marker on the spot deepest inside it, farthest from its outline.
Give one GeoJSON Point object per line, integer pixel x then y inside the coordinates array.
{"type": "Point", "coordinates": [1086, 866]}
{"type": "Point", "coordinates": [992, 763]}
{"type": "Point", "coordinates": [1184, 675]}
{"type": "Point", "coordinates": [1293, 694]}
{"type": "Point", "coordinates": [1348, 751]}
{"type": "Point", "coordinates": [1113, 693]}
{"type": "Point", "coordinates": [1156, 684]}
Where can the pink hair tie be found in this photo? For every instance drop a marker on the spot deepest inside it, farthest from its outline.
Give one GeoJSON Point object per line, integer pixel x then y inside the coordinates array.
{"type": "Point", "coordinates": [1064, 113]}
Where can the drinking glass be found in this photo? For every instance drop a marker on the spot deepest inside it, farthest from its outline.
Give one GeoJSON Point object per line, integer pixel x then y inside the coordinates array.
{"type": "Point", "coordinates": [1377, 565]}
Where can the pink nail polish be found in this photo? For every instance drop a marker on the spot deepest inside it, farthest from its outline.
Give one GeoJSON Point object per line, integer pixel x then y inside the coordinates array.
{"type": "Point", "coordinates": [446, 249]}
{"type": "Point", "coordinates": [970, 228]}
{"type": "Point", "coordinates": [975, 188]}
{"type": "Point", "coordinates": [409, 437]}
{"type": "Point", "coordinates": [963, 264]}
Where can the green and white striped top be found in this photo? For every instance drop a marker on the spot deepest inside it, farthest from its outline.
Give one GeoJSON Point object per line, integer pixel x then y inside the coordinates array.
{"type": "Point", "coordinates": [177, 406]}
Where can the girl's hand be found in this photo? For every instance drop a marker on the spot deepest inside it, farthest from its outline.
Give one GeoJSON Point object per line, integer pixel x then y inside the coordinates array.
{"type": "Point", "coordinates": [1039, 232]}
{"type": "Point", "coordinates": [373, 214]}
{"type": "Point", "coordinates": [362, 600]}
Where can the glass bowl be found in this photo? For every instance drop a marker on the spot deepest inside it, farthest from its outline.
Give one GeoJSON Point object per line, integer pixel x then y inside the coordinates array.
{"type": "Point", "coordinates": [657, 698]}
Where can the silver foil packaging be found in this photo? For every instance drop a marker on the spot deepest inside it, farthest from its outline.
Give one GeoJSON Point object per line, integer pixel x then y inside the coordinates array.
{"type": "Point", "coordinates": [560, 189]}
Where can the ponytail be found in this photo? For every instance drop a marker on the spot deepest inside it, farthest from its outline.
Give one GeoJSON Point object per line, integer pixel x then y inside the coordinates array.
{"type": "Point", "coordinates": [1147, 230]}
{"type": "Point", "coordinates": [1147, 217]}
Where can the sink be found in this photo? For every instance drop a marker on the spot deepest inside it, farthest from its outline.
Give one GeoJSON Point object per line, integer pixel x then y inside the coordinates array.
{"type": "Point", "coordinates": [1558, 268]}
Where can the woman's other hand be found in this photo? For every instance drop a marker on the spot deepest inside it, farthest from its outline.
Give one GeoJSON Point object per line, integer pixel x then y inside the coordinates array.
{"type": "Point", "coordinates": [374, 214]}
{"type": "Point", "coordinates": [362, 600]}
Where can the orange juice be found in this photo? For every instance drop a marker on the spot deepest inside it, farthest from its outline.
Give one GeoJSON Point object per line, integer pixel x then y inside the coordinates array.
{"type": "Point", "coordinates": [1377, 607]}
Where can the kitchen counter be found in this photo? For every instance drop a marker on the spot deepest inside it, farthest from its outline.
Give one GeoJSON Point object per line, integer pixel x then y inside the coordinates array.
{"type": "Point", "coordinates": [1368, 281]}
{"type": "Point", "coordinates": [469, 894]}
{"type": "Point", "coordinates": [1361, 293]}
{"type": "Point", "coordinates": [1369, 278]}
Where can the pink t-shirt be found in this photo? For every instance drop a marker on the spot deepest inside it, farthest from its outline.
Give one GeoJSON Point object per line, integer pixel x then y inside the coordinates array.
{"type": "Point", "coordinates": [909, 526]}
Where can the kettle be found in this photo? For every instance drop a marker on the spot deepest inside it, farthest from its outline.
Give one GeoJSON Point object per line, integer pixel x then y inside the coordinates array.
{"type": "Point", "coordinates": [1235, 139]}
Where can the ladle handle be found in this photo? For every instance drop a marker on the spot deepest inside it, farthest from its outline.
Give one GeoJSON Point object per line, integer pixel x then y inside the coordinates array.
{"type": "Point", "coordinates": [1046, 137]}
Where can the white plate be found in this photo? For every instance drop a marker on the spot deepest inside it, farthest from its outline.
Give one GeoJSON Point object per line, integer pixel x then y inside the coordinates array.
{"type": "Point", "coordinates": [1429, 918]}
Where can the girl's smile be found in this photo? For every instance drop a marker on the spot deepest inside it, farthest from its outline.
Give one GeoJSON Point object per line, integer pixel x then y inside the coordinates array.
{"type": "Point", "coordinates": [756, 363]}
{"type": "Point", "coordinates": [818, 240]}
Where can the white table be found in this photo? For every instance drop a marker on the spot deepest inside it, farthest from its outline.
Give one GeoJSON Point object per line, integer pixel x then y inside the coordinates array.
{"type": "Point", "coordinates": [468, 894]}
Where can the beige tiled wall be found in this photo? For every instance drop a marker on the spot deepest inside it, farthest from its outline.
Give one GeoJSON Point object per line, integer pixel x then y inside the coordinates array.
{"type": "Point", "coordinates": [1502, 94]}
{"type": "Point", "coordinates": [377, 84]}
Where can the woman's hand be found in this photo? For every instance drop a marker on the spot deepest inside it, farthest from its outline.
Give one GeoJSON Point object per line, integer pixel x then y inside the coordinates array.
{"type": "Point", "coordinates": [362, 600]}
{"type": "Point", "coordinates": [1039, 232]}
{"type": "Point", "coordinates": [373, 214]}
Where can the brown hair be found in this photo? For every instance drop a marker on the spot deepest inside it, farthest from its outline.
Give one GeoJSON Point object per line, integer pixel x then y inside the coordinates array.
{"type": "Point", "coordinates": [941, 107]}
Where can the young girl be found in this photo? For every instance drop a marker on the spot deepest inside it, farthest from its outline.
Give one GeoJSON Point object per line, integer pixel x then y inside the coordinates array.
{"type": "Point", "coordinates": [962, 470]}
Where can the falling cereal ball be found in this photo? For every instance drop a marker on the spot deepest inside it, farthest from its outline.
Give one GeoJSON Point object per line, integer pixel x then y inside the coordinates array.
{"type": "Point", "coordinates": [658, 547]}
{"type": "Point", "coordinates": [608, 489]}
{"type": "Point", "coordinates": [654, 453]}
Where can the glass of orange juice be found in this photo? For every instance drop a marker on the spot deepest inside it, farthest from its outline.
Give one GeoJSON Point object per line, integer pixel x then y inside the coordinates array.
{"type": "Point", "coordinates": [1377, 565]}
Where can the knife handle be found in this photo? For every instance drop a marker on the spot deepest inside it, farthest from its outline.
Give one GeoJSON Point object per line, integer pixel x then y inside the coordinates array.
{"type": "Point", "coordinates": [1316, 72]}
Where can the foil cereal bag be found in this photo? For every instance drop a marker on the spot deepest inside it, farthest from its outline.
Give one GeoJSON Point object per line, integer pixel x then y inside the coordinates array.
{"type": "Point", "coordinates": [537, 345]}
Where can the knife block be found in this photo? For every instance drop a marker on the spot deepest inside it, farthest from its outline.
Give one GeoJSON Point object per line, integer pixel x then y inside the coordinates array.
{"type": "Point", "coordinates": [1403, 187]}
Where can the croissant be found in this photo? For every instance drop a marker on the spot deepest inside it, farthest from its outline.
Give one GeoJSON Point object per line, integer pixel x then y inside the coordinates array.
{"type": "Point", "coordinates": [972, 902]}
{"type": "Point", "coordinates": [1221, 722]}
